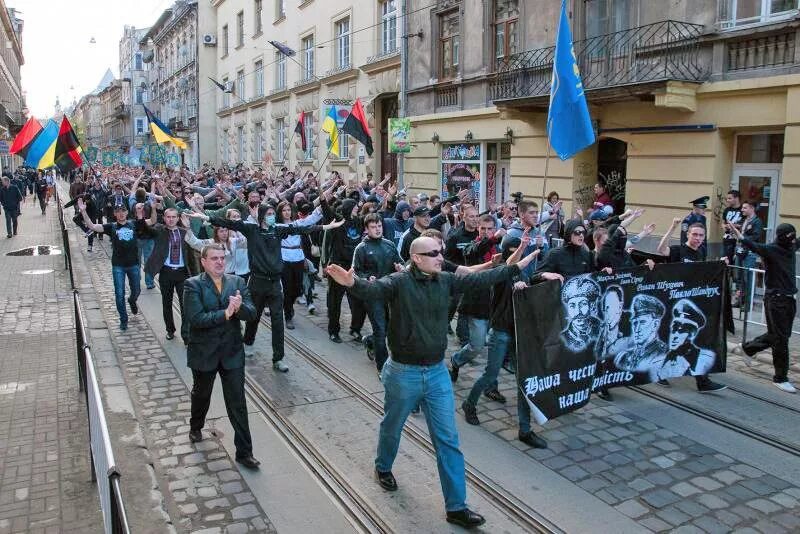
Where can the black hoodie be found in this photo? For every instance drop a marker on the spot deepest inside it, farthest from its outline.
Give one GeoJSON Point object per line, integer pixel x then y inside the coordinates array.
{"type": "Point", "coordinates": [344, 239]}
{"type": "Point", "coordinates": [779, 260]}
{"type": "Point", "coordinates": [612, 253]}
{"type": "Point", "coordinates": [568, 260]}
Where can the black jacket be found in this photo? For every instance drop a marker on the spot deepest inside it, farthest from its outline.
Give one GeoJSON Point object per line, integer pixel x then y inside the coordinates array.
{"type": "Point", "coordinates": [160, 236]}
{"type": "Point", "coordinates": [404, 246]}
{"type": "Point", "coordinates": [779, 263]}
{"type": "Point", "coordinates": [612, 253]}
{"type": "Point", "coordinates": [10, 197]}
{"type": "Point", "coordinates": [214, 341]}
{"type": "Point", "coordinates": [412, 295]}
{"type": "Point", "coordinates": [264, 244]}
{"type": "Point", "coordinates": [457, 241]}
{"type": "Point", "coordinates": [567, 260]}
{"type": "Point", "coordinates": [375, 257]}
{"type": "Point", "coordinates": [474, 302]}
{"type": "Point", "coordinates": [344, 239]}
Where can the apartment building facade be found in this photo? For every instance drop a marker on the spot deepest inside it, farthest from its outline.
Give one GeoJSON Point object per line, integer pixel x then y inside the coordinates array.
{"type": "Point", "coordinates": [113, 119]}
{"type": "Point", "coordinates": [135, 85]}
{"type": "Point", "coordinates": [689, 98]}
{"type": "Point", "coordinates": [176, 65]}
{"type": "Point", "coordinates": [12, 98]}
{"type": "Point", "coordinates": [341, 51]}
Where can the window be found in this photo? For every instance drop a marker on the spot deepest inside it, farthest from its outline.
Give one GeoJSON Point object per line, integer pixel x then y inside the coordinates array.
{"type": "Point", "coordinates": [280, 9]}
{"type": "Point", "coordinates": [224, 40]}
{"type": "Point", "coordinates": [759, 148]}
{"type": "Point", "coordinates": [258, 142]}
{"type": "Point", "coordinates": [506, 16]}
{"type": "Point", "coordinates": [226, 96]}
{"type": "Point", "coordinates": [258, 8]}
{"type": "Point", "coordinates": [280, 71]}
{"type": "Point", "coordinates": [449, 45]}
{"type": "Point", "coordinates": [608, 16]}
{"type": "Point", "coordinates": [343, 43]}
{"type": "Point", "coordinates": [240, 85]}
{"type": "Point", "coordinates": [240, 29]}
{"type": "Point", "coordinates": [259, 78]}
{"type": "Point", "coordinates": [308, 126]}
{"type": "Point", "coordinates": [280, 139]}
{"type": "Point", "coordinates": [226, 147]}
{"type": "Point", "coordinates": [240, 144]}
{"type": "Point", "coordinates": [308, 57]}
{"type": "Point", "coordinates": [141, 95]}
{"type": "Point", "coordinates": [137, 61]}
{"type": "Point", "coordinates": [140, 125]}
{"type": "Point", "coordinates": [344, 145]}
{"type": "Point", "coordinates": [388, 26]}
{"type": "Point", "coordinates": [735, 13]}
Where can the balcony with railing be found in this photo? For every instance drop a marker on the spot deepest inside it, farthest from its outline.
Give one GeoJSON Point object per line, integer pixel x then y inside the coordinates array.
{"type": "Point", "coordinates": [645, 56]}
{"type": "Point", "coordinates": [122, 111]}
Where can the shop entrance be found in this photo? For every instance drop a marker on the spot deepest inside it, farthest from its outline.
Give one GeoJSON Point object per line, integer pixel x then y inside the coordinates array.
{"type": "Point", "coordinates": [612, 164]}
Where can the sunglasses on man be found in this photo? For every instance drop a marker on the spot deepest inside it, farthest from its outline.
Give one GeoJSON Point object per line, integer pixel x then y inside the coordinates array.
{"type": "Point", "coordinates": [432, 253]}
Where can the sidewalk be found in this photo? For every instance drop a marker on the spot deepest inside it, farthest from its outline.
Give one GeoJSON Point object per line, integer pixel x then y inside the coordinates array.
{"type": "Point", "coordinates": [44, 458]}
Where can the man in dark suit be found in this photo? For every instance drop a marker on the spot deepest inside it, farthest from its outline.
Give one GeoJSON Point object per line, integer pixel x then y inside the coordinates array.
{"type": "Point", "coordinates": [168, 260]}
{"type": "Point", "coordinates": [215, 303]}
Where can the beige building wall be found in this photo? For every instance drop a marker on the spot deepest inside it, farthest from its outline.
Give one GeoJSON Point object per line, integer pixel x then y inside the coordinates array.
{"type": "Point", "coordinates": [371, 76]}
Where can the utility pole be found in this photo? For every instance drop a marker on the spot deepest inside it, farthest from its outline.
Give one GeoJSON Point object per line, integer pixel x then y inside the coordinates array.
{"type": "Point", "coordinates": [403, 85]}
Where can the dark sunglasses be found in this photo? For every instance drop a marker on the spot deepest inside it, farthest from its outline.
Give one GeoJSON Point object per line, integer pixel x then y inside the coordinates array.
{"type": "Point", "coordinates": [579, 232]}
{"type": "Point", "coordinates": [188, 191]}
{"type": "Point", "coordinates": [432, 253]}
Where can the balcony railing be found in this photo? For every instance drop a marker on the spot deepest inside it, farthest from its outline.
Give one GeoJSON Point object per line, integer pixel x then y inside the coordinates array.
{"type": "Point", "coordinates": [446, 97]}
{"type": "Point", "coordinates": [761, 52]}
{"type": "Point", "coordinates": [121, 111]}
{"type": "Point", "coordinates": [666, 50]}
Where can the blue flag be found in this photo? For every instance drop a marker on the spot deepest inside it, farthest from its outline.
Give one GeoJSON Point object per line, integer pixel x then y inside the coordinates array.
{"type": "Point", "coordinates": [569, 125]}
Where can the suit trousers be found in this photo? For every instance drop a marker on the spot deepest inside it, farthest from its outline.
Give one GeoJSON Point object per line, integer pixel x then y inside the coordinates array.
{"type": "Point", "coordinates": [170, 282]}
{"type": "Point", "coordinates": [235, 404]}
{"type": "Point", "coordinates": [266, 292]}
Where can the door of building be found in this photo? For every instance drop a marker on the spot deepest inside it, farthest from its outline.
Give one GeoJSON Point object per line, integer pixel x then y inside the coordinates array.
{"type": "Point", "coordinates": [388, 160]}
{"type": "Point", "coordinates": [760, 186]}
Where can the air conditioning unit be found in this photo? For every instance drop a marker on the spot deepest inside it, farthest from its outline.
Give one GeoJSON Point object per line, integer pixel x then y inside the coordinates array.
{"type": "Point", "coordinates": [229, 87]}
{"type": "Point", "coordinates": [209, 39]}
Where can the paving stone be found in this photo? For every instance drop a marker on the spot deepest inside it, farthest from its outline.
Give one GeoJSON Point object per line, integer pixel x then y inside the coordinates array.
{"type": "Point", "coordinates": [592, 484]}
{"type": "Point", "coordinates": [188, 509]}
{"type": "Point", "coordinates": [640, 484]}
{"type": "Point", "coordinates": [655, 524]}
{"type": "Point", "coordinates": [785, 500]}
{"type": "Point", "coordinates": [237, 528]}
{"type": "Point", "coordinates": [711, 501]}
{"type": "Point", "coordinates": [791, 521]}
{"type": "Point", "coordinates": [573, 473]}
{"type": "Point", "coordinates": [663, 462]}
{"type": "Point", "coordinates": [727, 517]}
{"type": "Point", "coordinates": [659, 478]}
{"type": "Point", "coordinates": [673, 516]}
{"type": "Point", "coordinates": [659, 498]}
{"type": "Point", "coordinates": [684, 489]}
{"type": "Point", "coordinates": [221, 502]}
{"type": "Point", "coordinates": [711, 525]}
{"type": "Point", "coordinates": [727, 477]}
{"type": "Point", "coordinates": [692, 508]}
{"type": "Point", "coordinates": [632, 508]}
{"type": "Point", "coordinates": [245, 511]}
{"type": "Point", "coordinates": [764, 505]}
{"type": "Point", "coordinates": [775, 482]}
{"type": "Point", "coordinates": [706, 483]}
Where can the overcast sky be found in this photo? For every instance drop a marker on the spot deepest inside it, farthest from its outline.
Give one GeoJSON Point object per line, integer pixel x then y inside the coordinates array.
{"type": "Point", "coordinates": [59, 61]}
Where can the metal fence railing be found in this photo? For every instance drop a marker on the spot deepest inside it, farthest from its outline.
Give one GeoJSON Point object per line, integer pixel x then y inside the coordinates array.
{"type": "Point", "coordinates": [749, 284]}
{"type": "Point", "coordinates": [100, 451]}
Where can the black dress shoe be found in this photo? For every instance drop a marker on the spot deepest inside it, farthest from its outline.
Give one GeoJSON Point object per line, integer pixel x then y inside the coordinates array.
{"type": "Point", "coordinates": [249, 462]}
{"type": "Point", "coordinates": [604, 394]}
{"type": "Point", "coordinates": [386, 480]}
{"type": "Point", "coordinates": [195, 436]}
{"type": "Point", "coordinates": [531, 439]}
{"type": "Point", "coordinates": [465, 518]}
{"type": "Point", "coordinates": [134, 306]}
{"type": "Point", "coordinates": [170, 335]}
{"type": "Point", "coordinates": [453, 370]}
{"type": "Point", "coordinates": [335, 338]}
{"type": "Point", "coordinates": [470, 413]}
{"type": "Point", "coordinates": [495, 395]}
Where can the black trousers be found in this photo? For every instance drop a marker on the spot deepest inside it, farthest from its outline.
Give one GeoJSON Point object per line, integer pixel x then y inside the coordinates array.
{"type": "Point", "coordinates": [235, 404]}
{"type": "Point", "coordinates": [292, 280]}
{"type": "Point", "coordinates": [358, 313]}
{"type": "Point", "coordinates": [266, 293]}
{"type": "Point", "coordinates": [377, 312]}
{"type": "Point", "coordinates": [42, 202]}
{"type": "Point", "coordinates": [780, 311]}
{"type": "Point", "coordinates": [170, 282]}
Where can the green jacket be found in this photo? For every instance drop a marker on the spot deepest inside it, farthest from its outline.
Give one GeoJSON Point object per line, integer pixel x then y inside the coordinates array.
{"type": "Point", "coordinates": [418, 306]}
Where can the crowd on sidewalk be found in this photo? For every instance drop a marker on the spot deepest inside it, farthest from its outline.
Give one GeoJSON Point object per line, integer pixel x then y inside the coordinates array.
{"type": "Point", "coordinates": [231, 243]}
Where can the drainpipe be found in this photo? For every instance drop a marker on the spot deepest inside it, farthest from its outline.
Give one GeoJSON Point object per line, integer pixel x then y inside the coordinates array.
{"type": "Point", "coordinates": [403, 86]}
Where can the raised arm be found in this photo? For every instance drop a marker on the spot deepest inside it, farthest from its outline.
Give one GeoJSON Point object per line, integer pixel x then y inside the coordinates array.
{"type": "Point", "coordinates": [87, 221]}
{"type": "Point", "coordinates": [663, 245]}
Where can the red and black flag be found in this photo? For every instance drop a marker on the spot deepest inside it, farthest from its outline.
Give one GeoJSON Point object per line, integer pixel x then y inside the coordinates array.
{"type": "Point", "coordinates": [300, 130]}
{"type": "Point", "coordinates": [24, 139]}
{"type": "Point", "coordinates": [68, 148]}
{"type": "Point", "coordinates": [356, 125]}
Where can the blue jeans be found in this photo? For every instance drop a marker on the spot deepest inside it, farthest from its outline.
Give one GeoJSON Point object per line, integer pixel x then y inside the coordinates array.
{"type": "Point", "coordinates": [498, 346]}
{"type": "Point", "coordinates": [746, 277]}
{"type": "Point", "coordinates": [477, 341]}
{"type": "Point", "coordinates": [404, 387]}
{"type": "Point", "coordinates": [119, 273]}
{"type": "Point", "coordinates": [146, 247]}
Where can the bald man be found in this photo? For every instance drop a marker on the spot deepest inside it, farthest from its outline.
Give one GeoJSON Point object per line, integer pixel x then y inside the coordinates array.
{"type": "Point", "coordinates": [416, 372]}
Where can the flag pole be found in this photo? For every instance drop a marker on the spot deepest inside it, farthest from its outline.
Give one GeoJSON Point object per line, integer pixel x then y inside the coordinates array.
{"type": "Point", "coordinates": [316, 173]}
{"type": "Point", "coordinates": [286, 149]}
{"type": "Point", "coordinates": [546, 169]}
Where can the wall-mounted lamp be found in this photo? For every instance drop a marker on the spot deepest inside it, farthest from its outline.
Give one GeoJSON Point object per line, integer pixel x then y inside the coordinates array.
{"type": "Point", "coordinates": [435, 138]}
{"type": "Point", "coordinates": [509, 134]}
{"type": "Point", "coordinates": [468, 136]}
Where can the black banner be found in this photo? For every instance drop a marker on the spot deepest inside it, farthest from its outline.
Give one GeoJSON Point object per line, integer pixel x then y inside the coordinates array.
{"type": "Point", "coordinates": [628, 328]}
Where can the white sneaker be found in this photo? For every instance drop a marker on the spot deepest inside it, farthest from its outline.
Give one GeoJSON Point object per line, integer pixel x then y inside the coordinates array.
{"type": "Point", "coordinates": [785, 386]}
{"type": "Point", "coordinates": [302, 300]}
{"type": "Point", "coordinates": [735, 348]}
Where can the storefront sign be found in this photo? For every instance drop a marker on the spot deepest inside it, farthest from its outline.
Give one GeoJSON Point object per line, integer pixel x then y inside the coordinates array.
{"type": "Point", "coordinates": [399, 136]}
{"type": "Point", "coordinates": [632, 327]}
{"type": "Point", "coordinates": [462, 152]}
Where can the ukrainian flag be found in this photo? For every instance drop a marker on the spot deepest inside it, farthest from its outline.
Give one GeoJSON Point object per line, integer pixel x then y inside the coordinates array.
{"type": "Point", "coordinates": [41, 154]}
{"type": "Point", "coordinates": [330, 128]}
{"type": "Point", "coordinates": [161, 132]}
